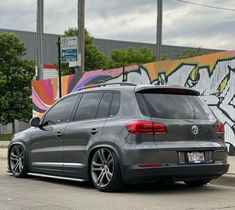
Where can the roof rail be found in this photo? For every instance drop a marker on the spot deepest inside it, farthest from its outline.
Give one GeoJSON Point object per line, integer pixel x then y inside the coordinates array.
{"type": "Point", "coordinates": [106, 84]}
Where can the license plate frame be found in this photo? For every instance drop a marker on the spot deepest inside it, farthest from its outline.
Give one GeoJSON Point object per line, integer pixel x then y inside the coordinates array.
{"type": "Point", "coordinates": [195, 157]}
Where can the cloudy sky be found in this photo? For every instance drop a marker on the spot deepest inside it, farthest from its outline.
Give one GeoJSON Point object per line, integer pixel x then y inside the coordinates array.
{"type": "Point", "coordinates": [131, 20]}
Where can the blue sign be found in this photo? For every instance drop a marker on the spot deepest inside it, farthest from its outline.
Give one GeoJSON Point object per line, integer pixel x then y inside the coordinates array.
{"type": "Point", "coordinates": [69, 50]}
{"type": "Point", "coordinates": [68, 55]}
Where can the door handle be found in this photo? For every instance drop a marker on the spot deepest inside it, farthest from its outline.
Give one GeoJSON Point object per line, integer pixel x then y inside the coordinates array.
{"type": "Point", "coordinates": [94, 131]}
{"type": "Point", "coordinates": [59, 134]}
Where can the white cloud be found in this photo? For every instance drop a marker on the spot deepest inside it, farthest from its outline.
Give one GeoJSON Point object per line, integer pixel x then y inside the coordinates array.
{"type": "Point", "coordinates": [132, 20]}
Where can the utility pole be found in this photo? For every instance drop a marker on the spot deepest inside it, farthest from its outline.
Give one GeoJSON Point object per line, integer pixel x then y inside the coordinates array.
{"type": "Point", "coordinates": [39, 35]}
{"type": "Point", "coordinates": [159, 30]}
{"type": "Point", "coordinates": [81, 34]}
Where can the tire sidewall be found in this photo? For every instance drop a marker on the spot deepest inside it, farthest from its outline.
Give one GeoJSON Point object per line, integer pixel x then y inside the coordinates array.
{"type": "Point", "coordinates": [116, 178]}
{"type": "Point", "coordinates": [23, 173]}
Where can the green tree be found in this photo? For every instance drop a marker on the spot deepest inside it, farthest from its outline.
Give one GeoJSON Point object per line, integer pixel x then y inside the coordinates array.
{"type": "Point", "coordinates": [189, 54]}
{"type": "Point", "coordinates": [15, 81]}
{"type": "Point", "coordinates": [164, 57]}
{"type": "Point", "coordinates": [129, 56]}
{"type": "Point", "coordinates": [94, 59]}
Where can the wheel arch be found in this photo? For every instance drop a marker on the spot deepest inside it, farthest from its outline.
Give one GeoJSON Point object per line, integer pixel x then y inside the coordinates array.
{"type": "Point", "coordinates": [9, 150]}
{"type": "Point", "coordinates": [111, 147]}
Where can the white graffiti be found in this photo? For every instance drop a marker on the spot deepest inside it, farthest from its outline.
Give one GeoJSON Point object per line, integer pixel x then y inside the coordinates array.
{"type": "Point", "coordinates": [217, 88]}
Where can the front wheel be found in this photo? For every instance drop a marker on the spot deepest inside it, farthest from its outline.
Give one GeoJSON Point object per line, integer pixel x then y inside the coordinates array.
{"type": "Point", "coordinates": [105, 170]}
{"type": "Point", "coordinates": [17, 159]}
{"type": "Point", "coordinates": [197, 183]}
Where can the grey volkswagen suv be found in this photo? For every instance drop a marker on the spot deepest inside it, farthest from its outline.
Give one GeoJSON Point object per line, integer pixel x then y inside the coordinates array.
{"type": "Point", "coordinates": [123, 133]}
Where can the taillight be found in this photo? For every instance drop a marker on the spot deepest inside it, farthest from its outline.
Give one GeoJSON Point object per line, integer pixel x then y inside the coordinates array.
{"type": "Point", "coordinates": [146, 127]}
{"type": "Point", "coordinates": [219, 128]}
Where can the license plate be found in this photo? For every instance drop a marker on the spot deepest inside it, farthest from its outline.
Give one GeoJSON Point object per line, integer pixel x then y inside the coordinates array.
{"type": "Point", "coordinates": [196, 157]}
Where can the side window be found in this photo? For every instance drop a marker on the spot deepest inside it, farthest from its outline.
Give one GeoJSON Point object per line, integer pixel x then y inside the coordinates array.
{"type": "Point", "coordinates": [88, 106]}
{"type": "Point", "coordinates": [115, 104]}
{"type": "Point", "coordinates": [61, 111]}
{"type": "Point", "coordinates": [104, 106]}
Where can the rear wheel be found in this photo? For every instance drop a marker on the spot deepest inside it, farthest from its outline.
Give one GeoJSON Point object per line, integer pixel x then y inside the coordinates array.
{"type": "Point", "coordinates": [197, 183]}
{"type": "Point", "coordinates": [105, 170]}
{"type": "Point", "coordinates": [18, 164]}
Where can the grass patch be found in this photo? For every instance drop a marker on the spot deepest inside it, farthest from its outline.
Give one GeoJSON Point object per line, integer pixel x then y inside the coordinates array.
{"type": "Point", "coordinates": [5, 137]}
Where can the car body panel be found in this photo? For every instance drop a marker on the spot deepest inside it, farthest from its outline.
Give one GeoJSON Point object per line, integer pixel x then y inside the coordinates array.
{"type": "Point", "coordinates": [77, 138]}
{"type": "Point", "coordinates": [142, 157]}
{"type": "Point", "coordinates": [46, 149]}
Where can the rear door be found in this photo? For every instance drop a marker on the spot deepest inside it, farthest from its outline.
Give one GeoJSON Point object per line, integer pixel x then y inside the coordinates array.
{"type": "Point", "coordinates": [85, 130]}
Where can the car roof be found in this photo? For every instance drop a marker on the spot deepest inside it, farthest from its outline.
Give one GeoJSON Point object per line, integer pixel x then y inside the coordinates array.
{"type": "Point", "coordinates": [137, 88]}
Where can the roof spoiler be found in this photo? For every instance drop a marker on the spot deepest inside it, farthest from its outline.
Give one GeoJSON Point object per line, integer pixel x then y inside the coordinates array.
{"type": "Point", "coordinates": [177, 90]}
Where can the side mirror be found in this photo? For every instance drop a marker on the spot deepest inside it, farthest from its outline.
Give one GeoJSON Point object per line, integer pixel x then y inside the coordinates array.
{"type": "Point", "coordinates": [35, 122]}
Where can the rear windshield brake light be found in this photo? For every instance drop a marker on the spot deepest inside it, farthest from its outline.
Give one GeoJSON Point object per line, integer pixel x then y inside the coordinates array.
{"type": "Point", "coordinates": [176, 91]}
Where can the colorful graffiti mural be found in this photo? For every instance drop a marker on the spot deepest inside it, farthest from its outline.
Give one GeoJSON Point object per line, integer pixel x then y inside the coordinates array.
{"type": "Point", "coordinates": [213, 75]}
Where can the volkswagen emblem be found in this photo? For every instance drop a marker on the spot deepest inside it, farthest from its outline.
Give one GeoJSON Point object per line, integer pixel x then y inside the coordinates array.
{"type": "Point", "coordinates": [195, 130]}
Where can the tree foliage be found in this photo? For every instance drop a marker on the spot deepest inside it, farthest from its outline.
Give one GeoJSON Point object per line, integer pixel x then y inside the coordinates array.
{"type": "Point", "coordinates": [94, 59]}
{"type": "Point", "coordinates": [129, 56]}
{"type": "Point", "coordinates": [15, 80]}
{"type": "Point", "coordinates": [189, 54]}
{"type": "Point", "coordinates": [164, 57]}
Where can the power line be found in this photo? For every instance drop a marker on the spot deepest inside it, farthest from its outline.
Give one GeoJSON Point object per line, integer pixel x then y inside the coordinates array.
{"type": "Point", "coordinates": [208, 6]}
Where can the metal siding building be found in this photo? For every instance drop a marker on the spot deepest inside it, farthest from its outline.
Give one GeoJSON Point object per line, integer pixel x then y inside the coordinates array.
{"type": "Point", "coordinates": [104, 45]}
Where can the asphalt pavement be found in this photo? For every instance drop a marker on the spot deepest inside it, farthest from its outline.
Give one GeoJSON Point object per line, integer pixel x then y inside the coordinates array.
{"type": "Point", "coordinates": [51, 194]}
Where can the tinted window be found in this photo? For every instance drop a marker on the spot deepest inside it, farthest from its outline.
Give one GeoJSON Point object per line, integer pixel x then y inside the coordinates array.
{"type": "Point", "coordinates": [61, 111]}
{"type": "Point", "coordinates": [201, 109]}
{"type": "Point", "coordinates": [173, 106]}
{"type": "Point", "coordinates": [88, 106]}
{"type": "Point", "coordinates": [103, 110]}
{"type": "Point", "coordinates": [115, 104]}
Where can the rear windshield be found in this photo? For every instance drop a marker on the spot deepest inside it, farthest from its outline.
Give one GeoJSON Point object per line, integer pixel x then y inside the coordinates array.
{"type": "Point", "coordinates": [173, 106]}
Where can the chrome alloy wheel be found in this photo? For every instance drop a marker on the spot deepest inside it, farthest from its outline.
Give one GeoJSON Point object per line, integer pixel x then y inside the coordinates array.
{"type": "Point", "coordinates": [17, 159]}
{"type": "Point", "coordinates": [102, 167]}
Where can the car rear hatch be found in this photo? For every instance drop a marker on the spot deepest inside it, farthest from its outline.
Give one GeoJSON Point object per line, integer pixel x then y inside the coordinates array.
{"type": "Point", "coordinates": [184, 120]}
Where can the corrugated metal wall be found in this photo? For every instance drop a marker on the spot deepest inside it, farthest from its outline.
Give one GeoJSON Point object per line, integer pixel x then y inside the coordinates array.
{"type": "Point", "coordinates": [104, 45]}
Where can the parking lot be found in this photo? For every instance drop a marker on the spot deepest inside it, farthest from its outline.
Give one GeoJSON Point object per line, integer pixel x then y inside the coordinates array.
{"type": "Point", "coordinates": [44, 193]}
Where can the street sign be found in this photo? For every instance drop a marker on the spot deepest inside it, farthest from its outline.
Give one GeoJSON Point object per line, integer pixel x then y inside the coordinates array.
{"type": "Point", "coordinates": [68, 55]}
{"type": "Point", "coordinates": [69, 49]}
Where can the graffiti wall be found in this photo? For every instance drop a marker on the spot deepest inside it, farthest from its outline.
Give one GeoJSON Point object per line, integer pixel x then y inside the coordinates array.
{"type": "Point", "coordinates": [212, 75]}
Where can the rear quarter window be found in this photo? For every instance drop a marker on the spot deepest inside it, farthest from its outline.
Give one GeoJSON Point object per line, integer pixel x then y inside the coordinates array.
{"type": "Point", "coordinates": [115, 105]}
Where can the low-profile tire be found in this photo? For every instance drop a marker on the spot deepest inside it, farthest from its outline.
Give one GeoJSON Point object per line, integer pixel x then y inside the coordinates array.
{"type": "Point", "coordinates": [18, 161]}
{"type": "Point", "coordinates": [197, 183]}
{"type": "Point", "coordinates": [105, 171]}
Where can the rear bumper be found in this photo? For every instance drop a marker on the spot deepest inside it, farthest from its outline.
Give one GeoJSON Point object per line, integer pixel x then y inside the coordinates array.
{"type": "Point", "coordinates": [133, 174]}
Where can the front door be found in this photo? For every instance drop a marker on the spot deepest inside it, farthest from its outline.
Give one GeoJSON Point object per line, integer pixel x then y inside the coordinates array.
{"type": "Point", "coordinates": [47, 140]}
{"type": "Point", "coordinates": [46, 147]}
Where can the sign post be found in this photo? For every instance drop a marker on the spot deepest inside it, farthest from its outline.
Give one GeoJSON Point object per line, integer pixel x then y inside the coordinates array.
{"type": "Point", "coordinates": [67, 53]}
{"type": "Point", "coordinates": [59, 68]}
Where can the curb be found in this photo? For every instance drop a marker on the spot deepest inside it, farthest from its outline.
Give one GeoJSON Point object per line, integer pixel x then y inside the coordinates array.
{"type": "Point", "coordinates": [3, 146]}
